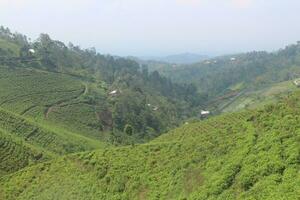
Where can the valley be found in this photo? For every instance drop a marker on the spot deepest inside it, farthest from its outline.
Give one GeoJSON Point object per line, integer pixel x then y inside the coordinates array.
{"type": "Point", "coordinates": [75, 124]}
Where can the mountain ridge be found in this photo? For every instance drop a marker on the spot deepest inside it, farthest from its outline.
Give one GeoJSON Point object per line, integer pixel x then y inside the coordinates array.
{"type": "Point", "coordinates": [183, 58]}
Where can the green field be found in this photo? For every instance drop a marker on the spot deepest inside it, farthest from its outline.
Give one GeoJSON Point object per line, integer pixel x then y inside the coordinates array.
{"type": "Point", "coordinates": [246, 155]}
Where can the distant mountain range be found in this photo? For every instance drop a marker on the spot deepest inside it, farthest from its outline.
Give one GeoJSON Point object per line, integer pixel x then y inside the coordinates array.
{"type": "Point", "coordinates": [185, 58]}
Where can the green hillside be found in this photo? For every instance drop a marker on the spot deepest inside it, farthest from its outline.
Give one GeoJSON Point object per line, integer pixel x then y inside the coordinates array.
{"type": "Point", "coordinates": [58, 141]}
{"type": "Point", "coordinates": [75, 124]}
{"type": "Point", "coordinates": [17, 154]}
{"type": "Point", "coordinates": [110, 99]}
{"type": "Point", "coordinates": [258, 97]}
{"type": "Point", "coordinates": [49, 98]}
{"type": "Point", "coordinates": [235, 75]}
{"type": "Point", "coordinates": [246, 155]}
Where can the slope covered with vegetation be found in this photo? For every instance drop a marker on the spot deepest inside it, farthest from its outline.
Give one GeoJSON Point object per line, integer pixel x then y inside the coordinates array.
{"type": "Point", "coordinates": [246, 155]}
{"type": "Point", "coordinates": [17, 154]}
{"type": "Point", "coordinates": [24, 142]}
{"type": "Point", "coordinates": [100, 97]}
{"type": "Point", "coordinates": [258, 97]}
{"type": "Point", "coordinates": [61, 107]}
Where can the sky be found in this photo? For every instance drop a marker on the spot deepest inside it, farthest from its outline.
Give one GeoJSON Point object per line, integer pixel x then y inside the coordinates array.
{"type": "Point", "coordinates": [158, 27]}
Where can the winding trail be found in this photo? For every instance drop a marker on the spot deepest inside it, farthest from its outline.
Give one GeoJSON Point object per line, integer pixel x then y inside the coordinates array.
{"type": "Point", "coordinates": [58, 104]}
{"type": "Point", "coordinates": [28, 109]}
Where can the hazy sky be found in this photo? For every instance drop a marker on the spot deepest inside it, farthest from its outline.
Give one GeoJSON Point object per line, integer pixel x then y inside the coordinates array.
{"type": "Point", "coordinates": [159, 27]}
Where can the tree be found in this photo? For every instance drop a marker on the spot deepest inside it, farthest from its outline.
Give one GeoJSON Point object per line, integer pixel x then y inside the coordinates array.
{"type": "Point", "coordinates": [128, 129]}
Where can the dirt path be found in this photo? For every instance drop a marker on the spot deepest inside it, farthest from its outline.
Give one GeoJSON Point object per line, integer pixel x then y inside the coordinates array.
{"type": "Point", "coordinates": [58, 104]}
{"type": "Point", "coordinates": [86, 89]}
{"type": "Point", "coordinates": [49, 110]}
{"type": "Point", "coordinates": [28, 109]}
{"type": "Point", "coordinates": [232, 100]}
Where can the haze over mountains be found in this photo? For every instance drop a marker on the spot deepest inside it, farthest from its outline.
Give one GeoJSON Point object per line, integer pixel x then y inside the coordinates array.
{"type": "Point", "coordinates": [184, 58]}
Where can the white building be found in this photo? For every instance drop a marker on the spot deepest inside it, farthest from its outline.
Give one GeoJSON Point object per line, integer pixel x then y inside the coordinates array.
{"type": "Point", "coordinates": [113, 92]}
{"type": "Point", "coordinates": [297, 82]}
{"type": "Point", "coordinates": [31, 51]}
{"type": "Point", "coordinates": [204, 112]}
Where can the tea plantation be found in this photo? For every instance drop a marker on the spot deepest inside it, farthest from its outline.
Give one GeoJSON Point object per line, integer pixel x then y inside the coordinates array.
{"type": "Point", "coordinates": [48, 98]}
{"type": "Point", "coordinates": [246, 155]}
{"type": "Point", "coordinates": [75, 124]}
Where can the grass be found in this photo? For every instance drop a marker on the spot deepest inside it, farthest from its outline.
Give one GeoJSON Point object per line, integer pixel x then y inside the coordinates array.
{"type": "Point", "coordinates": [245, 155]}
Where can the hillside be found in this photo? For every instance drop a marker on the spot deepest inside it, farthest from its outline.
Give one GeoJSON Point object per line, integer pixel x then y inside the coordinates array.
{"type": "Point", "coordinates": [257, 97]}
{"type": "Point", "coordinates": [79, 91]}
{"type": "Point", "coordinates": [75, 124]}
{"type": "Point", "coordinates": [17, 154]}
{"type": "Point", "coordinates": [246, 155]}
{"type": "Point", "coordinates": [241, 73]}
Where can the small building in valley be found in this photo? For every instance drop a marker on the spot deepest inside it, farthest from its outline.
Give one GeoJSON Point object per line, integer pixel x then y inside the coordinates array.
{"type": "Point", "coordinates": [204, 113]}
{"type": "Point", "coordinates": [297, 82]}
{"type": "Point", "coordinates": [114, 92]}
{"type": "Point", "coordinates": [32, 51]}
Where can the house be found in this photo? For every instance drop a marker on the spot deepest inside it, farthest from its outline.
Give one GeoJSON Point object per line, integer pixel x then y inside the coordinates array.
{"type": "Point", "coordinates": [32, 51]}
{"type": "Point", "coordinates": [297, 82]}
{"type": "Point", "coordinates": [233, 59]}
{"type": "Point", "coordinates": [155, 108]}
{"type": "Point", "coordinates": [204, 113]}
{"type": "Point", "coordinates": [114, 92]}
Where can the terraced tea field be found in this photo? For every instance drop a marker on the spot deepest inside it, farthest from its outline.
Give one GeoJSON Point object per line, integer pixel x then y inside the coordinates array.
{"type": "Point", "coordinates": [16, 153]}
{"type": "Point", "coordinates": [52, 99]}
{"type": "Point", "coordinates": [31, 132]}
{"type": "Point", "coordinates": [258, 98]}
{"type": "Point", "coordinates": [247, 155]}
{"type": "Point", "coordinates": [49, 138]}
{"type": "Point", "coordinates": [30, 93]}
